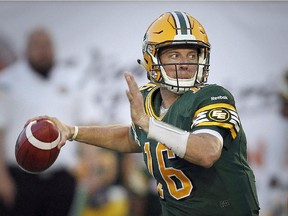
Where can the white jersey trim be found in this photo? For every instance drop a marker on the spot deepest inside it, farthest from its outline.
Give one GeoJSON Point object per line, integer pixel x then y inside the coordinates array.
{"type": "Point", "coordinates": [212, 132]}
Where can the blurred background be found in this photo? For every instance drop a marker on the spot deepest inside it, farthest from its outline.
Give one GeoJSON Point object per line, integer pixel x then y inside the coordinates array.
{"type": "Point", "coordinates": [97, 41]}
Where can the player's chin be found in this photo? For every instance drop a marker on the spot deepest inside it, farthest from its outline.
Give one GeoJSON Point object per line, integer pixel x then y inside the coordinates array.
{"type": "Point", "coordinates": [183, 78]}
{"type": "Point", "coordinates": [184, 75]}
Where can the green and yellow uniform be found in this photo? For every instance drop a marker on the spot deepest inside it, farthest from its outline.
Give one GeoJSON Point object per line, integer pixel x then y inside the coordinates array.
{"type": "Point", "coordinates": [228, 187]}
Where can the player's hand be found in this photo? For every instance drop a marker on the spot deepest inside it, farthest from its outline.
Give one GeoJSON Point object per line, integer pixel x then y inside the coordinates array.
{"type": "Point", "coordinates": [135, 98]}
{"type": "Point", "coordinates": [66, 131]}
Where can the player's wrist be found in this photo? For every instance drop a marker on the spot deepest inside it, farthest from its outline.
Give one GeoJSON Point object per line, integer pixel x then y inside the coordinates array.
{"type": "Point", "coordinates": [73, 133]}
{"type": "Point", "coordinates": [174, 138]}
{"type": "Point", "coordinates": [144, 123]}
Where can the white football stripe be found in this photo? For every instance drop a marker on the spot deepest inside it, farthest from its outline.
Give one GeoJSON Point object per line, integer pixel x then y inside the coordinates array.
{"type": "Point", "coordinates": [37, 143]}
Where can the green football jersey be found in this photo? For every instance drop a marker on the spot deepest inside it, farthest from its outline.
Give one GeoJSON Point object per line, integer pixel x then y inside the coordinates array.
{"type": "Point", "coordinates": [228, 187]}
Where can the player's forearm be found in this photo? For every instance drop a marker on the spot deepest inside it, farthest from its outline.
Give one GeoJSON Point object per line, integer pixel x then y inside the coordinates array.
{"type": "Point", "coordinates": [114, 137]}
{"type": "Point", "coordinates": [203, 149]}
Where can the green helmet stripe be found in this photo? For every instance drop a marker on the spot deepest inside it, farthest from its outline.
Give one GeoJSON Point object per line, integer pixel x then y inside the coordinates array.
{"type": "Point", "coordinates": [183, 26]}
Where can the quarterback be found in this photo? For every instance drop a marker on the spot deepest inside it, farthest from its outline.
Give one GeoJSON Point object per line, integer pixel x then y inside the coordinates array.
{"type": "Point", "coordinates": [188, 131]}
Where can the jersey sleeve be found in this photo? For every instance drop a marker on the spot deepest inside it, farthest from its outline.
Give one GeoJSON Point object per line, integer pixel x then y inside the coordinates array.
{"type": "Point", "coordinates": [216, 111]}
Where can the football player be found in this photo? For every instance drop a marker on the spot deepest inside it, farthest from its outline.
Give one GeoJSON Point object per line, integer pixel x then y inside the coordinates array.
{"type": "Point", "coordinates": [188, 131]}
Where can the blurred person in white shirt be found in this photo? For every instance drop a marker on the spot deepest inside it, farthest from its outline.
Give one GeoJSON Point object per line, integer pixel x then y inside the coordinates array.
{"type": "Point", "coordinates": [7, 53]}
{"type": "Point", "coordinates": [27, 88]}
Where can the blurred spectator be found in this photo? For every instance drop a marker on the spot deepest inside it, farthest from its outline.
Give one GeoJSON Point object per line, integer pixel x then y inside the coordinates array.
{"type": "Point", "coordinates": [283, 95]}
{"type": "Point", "coordinates": [31, 87]}
{"type": "Point", "coordinates": [98, 193]}
{"type": "Point", "coordinates": [277, 204]}
{"type": "Point", "coordinates": [132, 174]}
{"type": "Point", "coordinates": [143, 194]}
{"type": "Point", "coordinates": [7, 54]}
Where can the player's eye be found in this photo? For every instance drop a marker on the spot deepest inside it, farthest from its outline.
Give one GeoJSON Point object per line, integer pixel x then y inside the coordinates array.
{"type": "Point", "coordinates": [192, 56]}
{"type": "Point", "coordinates": [174, 56]}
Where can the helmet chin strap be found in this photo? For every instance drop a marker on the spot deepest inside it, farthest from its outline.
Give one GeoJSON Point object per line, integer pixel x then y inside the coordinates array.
{"type": "Point", "coordinates": [177, 86]}
{"type": "Point", "coordinates": [175, 89]}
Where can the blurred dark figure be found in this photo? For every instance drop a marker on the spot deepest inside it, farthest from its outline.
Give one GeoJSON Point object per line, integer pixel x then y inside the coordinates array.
{"type": "Point", "coordinates": [30, 87]}
{"type": "Point", "coordinates": [141, 187]}
{"type": "Point", "coordinates": [7, 54]}
{"type": "Point", "coordinates": [283, 95]}
{"type": "Point", "coordinates": [278, 183]}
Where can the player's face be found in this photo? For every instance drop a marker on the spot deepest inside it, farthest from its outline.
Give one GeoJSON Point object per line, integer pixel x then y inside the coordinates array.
{"type": "Point", "coordinates": [175, 56]}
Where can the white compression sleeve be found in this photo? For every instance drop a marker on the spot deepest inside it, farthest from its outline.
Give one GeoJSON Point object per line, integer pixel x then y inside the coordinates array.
{"type": "Point", "coordinates": [174, 138]}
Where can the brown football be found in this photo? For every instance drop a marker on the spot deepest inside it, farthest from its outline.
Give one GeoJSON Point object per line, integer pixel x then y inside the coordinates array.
{"type": "Point", "coordinates": [36, 146]}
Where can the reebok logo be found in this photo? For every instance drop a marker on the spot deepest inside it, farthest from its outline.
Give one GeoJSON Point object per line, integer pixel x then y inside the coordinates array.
{"type": "Point", "coordinates": [220, 97]}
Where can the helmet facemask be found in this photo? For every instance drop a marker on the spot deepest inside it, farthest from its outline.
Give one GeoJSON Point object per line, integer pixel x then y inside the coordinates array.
{"type": "Point", "coordinates": [175, 84]}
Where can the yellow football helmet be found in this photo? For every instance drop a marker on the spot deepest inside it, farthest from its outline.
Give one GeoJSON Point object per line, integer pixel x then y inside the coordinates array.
{"type": "Point", "coordinates": [175, 28]}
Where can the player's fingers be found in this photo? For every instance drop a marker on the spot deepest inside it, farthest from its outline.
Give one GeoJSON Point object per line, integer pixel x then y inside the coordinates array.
{"type": "Point", "coordinates": [63, 139]}
{"type": "Point", "coordinates": [132, 85]}
{"type": "Point", "coordinates": [61, 143]}
{"type": "Point", "coordinates": [36, 119]}
{"type": "Point", "coordinates": [129, 95]}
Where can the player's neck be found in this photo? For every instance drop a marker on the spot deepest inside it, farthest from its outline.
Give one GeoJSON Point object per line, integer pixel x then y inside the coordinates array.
{"type": "Point", "coordinates": [168, 97]}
